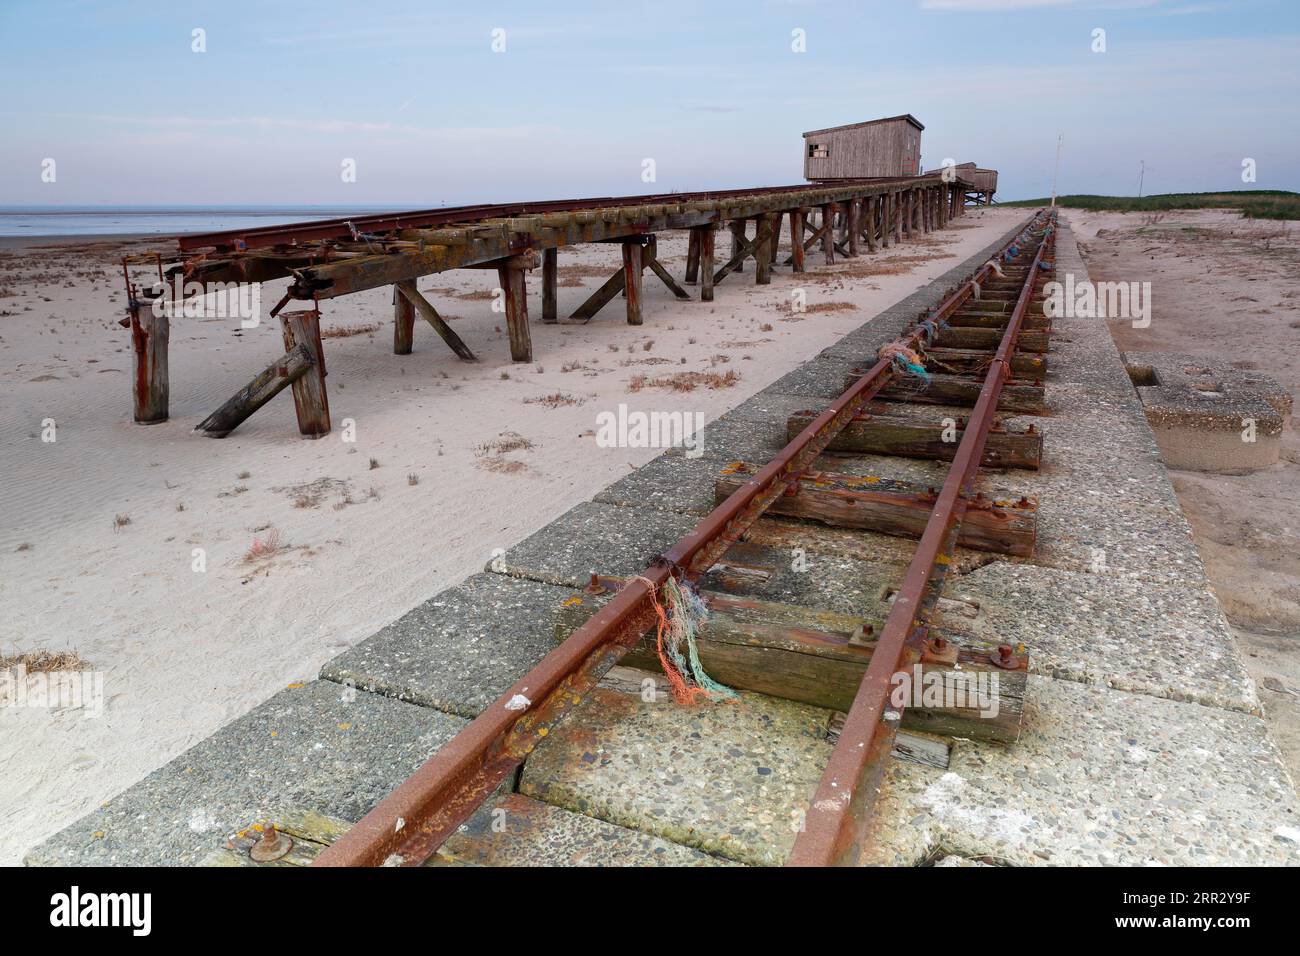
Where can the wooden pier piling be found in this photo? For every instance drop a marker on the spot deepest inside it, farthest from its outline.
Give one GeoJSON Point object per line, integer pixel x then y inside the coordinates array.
{"type": "Point", "coordinates": [310, 400]}
{"type": "Point", "coordinates": [632, 271]}
{"type": "Point", "coordinates": [511, 273]}
{"type": "Point", "coordinates": [707, 235]}
{"type": "Point", "coordinates": [403, 323]}
{"type": "Point", "coordinates": [550, 266]}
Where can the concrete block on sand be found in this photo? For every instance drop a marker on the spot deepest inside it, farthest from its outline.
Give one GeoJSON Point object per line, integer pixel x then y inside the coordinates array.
{"type": "Point", "coordinates": [727, 777]}
{"type": "Point", "coordinates": [459, 650]}
{"type": "Point", "coordinates": [1202, 410]}
{"type": "Point", "coordinates": [1101, 777]}
{"type": "Point", "coordinates": [316, 746]}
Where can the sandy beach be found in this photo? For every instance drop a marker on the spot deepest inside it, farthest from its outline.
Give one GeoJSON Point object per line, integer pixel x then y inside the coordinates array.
{"type": "Point", "coordinates": [308, 547]}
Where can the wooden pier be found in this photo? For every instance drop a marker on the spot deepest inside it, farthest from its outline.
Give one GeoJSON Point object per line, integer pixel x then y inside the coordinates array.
{"type": "Point", "coordinates": [333, 258]}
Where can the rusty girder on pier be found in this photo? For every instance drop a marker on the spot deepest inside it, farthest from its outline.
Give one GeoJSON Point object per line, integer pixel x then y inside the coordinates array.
{"type": "Point", "coordinates": [337, 257]}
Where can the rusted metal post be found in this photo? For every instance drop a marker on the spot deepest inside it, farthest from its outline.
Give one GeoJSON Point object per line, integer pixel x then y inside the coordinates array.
{"type": "Point", "coordinates": [707, 235]}
{"type": "Point", "coordinates": [515, 291]}
{"type": "Point", "coordinates": [632, 268]}
{"type": "Point", "coordinates": [150, 332]}
{"type": "Point", "coordinates": [309, 398]}
{"type": "Point", "coordinates": [550, 265]}
{"type": "Point", "coordinates": [403, 323]}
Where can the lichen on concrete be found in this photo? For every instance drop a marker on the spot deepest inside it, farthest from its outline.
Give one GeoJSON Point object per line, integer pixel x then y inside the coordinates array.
{"type": "Point", "coordinates": [1100, 777]}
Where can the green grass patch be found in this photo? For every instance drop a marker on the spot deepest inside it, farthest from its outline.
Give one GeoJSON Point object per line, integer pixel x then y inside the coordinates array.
{"type": "Point", "coordinates": [1253, 203]}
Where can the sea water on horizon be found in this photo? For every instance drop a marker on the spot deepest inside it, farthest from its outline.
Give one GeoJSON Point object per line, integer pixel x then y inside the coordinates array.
{"type": "Point", "coordinates": [23, 221]}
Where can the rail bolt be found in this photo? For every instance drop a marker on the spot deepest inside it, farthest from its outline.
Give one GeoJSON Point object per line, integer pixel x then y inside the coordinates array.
{"type": "Point", "coordinates": [271, 847]}
{"type": "Point", "coordinates": [1003, 657]}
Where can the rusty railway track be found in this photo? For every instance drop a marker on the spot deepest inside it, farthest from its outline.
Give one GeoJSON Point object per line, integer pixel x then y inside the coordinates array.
{"type": "Point", "coordinates": [409, 825]}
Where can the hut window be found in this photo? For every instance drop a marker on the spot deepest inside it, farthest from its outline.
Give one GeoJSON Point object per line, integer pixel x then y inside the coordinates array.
{"type": "Point", "coordinates": [816, 149]}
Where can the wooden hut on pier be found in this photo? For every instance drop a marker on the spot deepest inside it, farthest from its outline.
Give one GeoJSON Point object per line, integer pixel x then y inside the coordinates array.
{"type": "Point", "coordinates": [889, 147]}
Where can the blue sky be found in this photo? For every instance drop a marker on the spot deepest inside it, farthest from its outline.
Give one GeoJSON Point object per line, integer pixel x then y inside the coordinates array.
{"type": "Point", "coordinates": [712, 91]}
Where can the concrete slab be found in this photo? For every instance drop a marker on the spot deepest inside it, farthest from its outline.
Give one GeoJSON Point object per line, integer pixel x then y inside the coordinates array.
{"type": "Point", "coordinates": [825, 579]}
{"type": "Point", "coordinates": [316, 745]}
{"type": "Point", "coordinates": [672, 483]}
{"type": "Point", "coordinates": [1166, 641]}
{"type": "Point", "coordinates": [593, 537]}
{"type": "Point", "coordinates": [515, 830]}
{"type": "Point", "coordinates": [459, 650]}
{"type": "Point", "coordinates": [770, 406]}
{"type": "Point", "coordinates": [732, 439]}
{"type": "Point", "coordinates": [861, 346]}
{"type": "Point", "coordinates": [1101, 777]}
{"type": "Point", "coordinates": [1103, 536]}
{"type": "Point", "coordinates": [728, 777]}
{"type": "Point", "coordinates": [822, 378]}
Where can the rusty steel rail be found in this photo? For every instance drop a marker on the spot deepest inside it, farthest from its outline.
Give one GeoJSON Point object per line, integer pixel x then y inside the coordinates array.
{"type": "Point", "coordinates": [836, 827]}
{"type": "Point", "coordinates": [294, 233]}
{"type": "Point", "coordinates": [408, 826]}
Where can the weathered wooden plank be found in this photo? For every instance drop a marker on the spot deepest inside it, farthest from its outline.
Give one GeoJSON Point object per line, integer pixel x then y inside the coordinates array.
{"type": "Point", "coordinates": [1022, 397]}
{"type": "Point", "coordinates": [657, 267]}
{"type": "Point", "coordinates": [993, 318]}
{"type": "Point", "coordinates": [957, 361]}
{"type": "Point", "coordinates": [870, 434]}
{"type": "Point", "coordinates": [748, 248]}
{"type": "Point", "coordinates": [422, 305]}
{"type": "Point", "coordinates": [1031, 340]}
{"type": "Point", "coordinates": [272, 380]}
{"type": "Point", "coordinates": [601, 297]}
{"type": "Point", "coordinates": [818, 657]}
{"type": "Point", "coordinates": [891, 507]}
